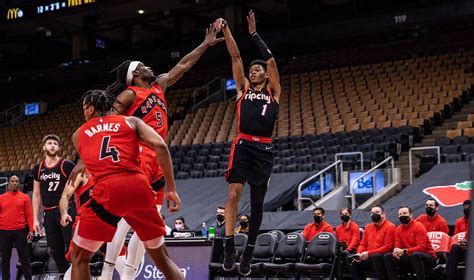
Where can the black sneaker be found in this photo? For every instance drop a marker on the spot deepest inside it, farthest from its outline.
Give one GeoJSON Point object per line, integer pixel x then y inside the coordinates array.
{"type": "Point", "coordinates": [245, 266]}
{"type": "Point", "coordinates": [229, 261]}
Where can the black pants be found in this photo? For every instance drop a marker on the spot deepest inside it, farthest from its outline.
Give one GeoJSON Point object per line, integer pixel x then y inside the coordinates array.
{"type": "Point", "coordinates": [58, 237]}
{"type": "Point", "coordinates": [418, 262]}
{"type": "Point", "coordinates": [373, 263]}
{"type": "Point", "coordinates": [456, 254]}
{"type": "Point", "coordinates": [7, 239]}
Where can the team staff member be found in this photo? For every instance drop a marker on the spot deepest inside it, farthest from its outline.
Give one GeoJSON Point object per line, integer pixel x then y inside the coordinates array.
{"type": "Point", "coordinates": [348, 232]}
{"type": "Point", "coordinates": [462, 224]}
{"type": "Point", "coordinates": [412, 247]}
{"type": "Point", "coordinates": [378, 239]}
{"type": "Point", "coordinates": [319, 225]}
{"type": "Point", "coordinates": [50, 177]}
{"type": "Point", "coordinates": [251, 156]}
{"type": "Point", "coordinates": [220, 224]}
{"type": "Point", "coordinates": [458, 250]}
{"type": "Point", "coordinates": [433, 221]}
{"type": "Point", "coordinates": [16, 227]}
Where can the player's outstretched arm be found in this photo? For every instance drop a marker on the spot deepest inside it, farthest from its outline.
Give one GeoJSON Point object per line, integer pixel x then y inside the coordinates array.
{"type": "Point", "coordinates": [184, 65]}
{"type": "Point", "coordinates": [153, 139]}
{"type": "Point", "coordinates": [272, 70]}
{"type": "Point", "coordinates": [241, 83]}
{"type": "Point", "coordinates": [68, 192]}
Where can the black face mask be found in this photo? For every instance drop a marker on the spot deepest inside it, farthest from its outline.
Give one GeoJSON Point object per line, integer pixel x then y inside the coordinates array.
{"type": "Point", "coordinates": [244, 224]}
{"type": "Point", "coordinates": [404, 219]}
{"type": "Point", "coordinates": [430, 211]}
{"type": "Point", "coordinates": [220, 218]}
{"type": "Point", "coordinates": [376, 218]}
{"type": "Point", "coordinates": [345, 218]}
{"type": "Point", "coordinates": [466, 212]}
{"type": "Point", "coordinates": [317, 219]}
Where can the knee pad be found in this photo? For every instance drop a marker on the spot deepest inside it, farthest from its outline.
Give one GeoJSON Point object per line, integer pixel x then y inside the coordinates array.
{"type": "Point", "coordinates": [154, 243]}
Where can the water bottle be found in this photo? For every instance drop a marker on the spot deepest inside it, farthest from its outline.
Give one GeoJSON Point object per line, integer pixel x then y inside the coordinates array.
{"type": "Point", "coordinates": [204, 230]}
{"type": "Point", "coordinates": [212, 232]}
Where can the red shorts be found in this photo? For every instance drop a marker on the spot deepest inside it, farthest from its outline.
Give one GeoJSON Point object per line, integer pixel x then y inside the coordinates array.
{"type": "Point", "coordinates": [151, 168]}
{"type": "Point", "coordinates": [126, 195]}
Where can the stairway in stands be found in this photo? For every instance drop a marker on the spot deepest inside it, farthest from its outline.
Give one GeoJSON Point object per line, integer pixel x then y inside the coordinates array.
{"type": "Point", "coordinates": [429, 140]}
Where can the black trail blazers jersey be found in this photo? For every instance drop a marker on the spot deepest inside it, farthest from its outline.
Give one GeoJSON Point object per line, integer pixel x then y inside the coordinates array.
{"type": "Point", "coordinates": [257, 112]}
{"type": "Point", "coordinates": [52, 180]}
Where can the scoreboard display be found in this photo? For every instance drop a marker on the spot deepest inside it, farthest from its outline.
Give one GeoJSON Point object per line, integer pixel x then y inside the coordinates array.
{"type": "Point", "coordinates": [31, 9]}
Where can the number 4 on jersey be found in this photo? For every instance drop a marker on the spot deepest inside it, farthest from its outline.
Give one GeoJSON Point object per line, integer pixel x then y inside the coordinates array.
{"type": "Point", "coordinates": [106, 151]}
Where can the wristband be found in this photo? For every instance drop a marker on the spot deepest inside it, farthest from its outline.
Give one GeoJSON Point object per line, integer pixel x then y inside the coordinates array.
{"type": "Point", "coordinates": [262, 47]}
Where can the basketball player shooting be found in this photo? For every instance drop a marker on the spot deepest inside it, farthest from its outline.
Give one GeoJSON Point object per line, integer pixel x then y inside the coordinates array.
{"type": "Point", "coordinates": [251, 156]}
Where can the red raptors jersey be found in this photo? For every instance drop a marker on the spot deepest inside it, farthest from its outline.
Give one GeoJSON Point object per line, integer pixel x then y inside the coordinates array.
{"type": "Point", "coordinates": [257, 112]}
{"type": "Point", "coordinates": [151, 107]}
{"type": "Point", "coordinates": [108, 145]}
{"type": "Point", "coordinates": [83, 192]}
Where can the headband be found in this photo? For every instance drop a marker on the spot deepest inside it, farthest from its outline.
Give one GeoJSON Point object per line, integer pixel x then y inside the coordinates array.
{"type": "Point", "coordinates": [132, 67]}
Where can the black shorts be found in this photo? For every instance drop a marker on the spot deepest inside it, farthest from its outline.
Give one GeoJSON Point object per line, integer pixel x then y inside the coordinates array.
{"type": "Point", "coordinates": [250, 161]}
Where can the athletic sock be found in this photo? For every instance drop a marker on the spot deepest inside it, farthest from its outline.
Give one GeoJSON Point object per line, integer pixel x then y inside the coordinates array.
{"type": "Point", "coordinates": [107, 271]}
{"type": "Point", "coordinates": [128, 273]}
{"type": "Point", "coordinates": [229, 244]}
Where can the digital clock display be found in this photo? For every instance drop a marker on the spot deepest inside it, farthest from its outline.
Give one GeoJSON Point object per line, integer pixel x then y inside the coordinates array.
{"type": "Point", "coordinates": [30, 10]}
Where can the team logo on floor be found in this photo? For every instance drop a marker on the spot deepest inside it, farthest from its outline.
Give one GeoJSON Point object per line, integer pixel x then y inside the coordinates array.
{"type": "Point", "coordinates": [452, 195]}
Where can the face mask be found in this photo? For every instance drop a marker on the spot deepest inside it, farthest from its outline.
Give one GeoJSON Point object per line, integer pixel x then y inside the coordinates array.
{"type": "Point", "coordinates": [430, 211]}
{"type": "Point", "coordinates": [244, 224]}
{"type": "Point", "coordinates": [220, 218]}
{"type": "Point", "coordinates": [178, 227]}
{"type": "Point", "coordinates": [345, 218]}
{"type": "Point", "coordinates": [376, 218]}
{"type": "Point", "coordinates": [318, 219]}
{"type": "Point", "coordinates": [466, 212]}
{"type": "Point", "coordinates": [404, 219]}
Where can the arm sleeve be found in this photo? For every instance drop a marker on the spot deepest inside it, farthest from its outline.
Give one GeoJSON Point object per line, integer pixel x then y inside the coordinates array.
{"type": "Point", "coordinates": [388, 241]}
{"type": "Point", "coordinates": [306, 232]}
{"type": "Point", "coordinates": [456, 227]}
{"type": "Point", "coordinates": [29, 213]}
{"type": "Point", "coordinates": [68, 166]}
{"type": "Point", "coordinates": [363, 243]}
{"type": "Point", "coordinates": [355, 238]}
{"type": "Point", "coordinates": [35, 172]}
{"type": "Point", "coordinates": [398, 239]}
{"type": "Point", "coordinates": [421, 240]}
{"type": "Point", "coordinates": [443, 226]}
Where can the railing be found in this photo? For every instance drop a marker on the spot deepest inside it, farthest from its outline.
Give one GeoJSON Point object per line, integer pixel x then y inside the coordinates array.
{"type": "Point", "coordinates": [3, 185]}
{"type": "Point", "coordinates": [336, 157]}
{"type": "Point", "coordinates": [419, 149]}
{"type": "Point", "coordinates": [205, 92]}
{"type": "Point", "coordinates": [321, 187]}
{"type": "Point", "coordinates": [12, 115]}
{"type": "Point", "coordinates": [374, 190]}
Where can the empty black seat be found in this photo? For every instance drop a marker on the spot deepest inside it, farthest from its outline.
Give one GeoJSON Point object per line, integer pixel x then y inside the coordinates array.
{"type": "Point", "coordinates": [195, 174]}
{"type": "Point", "coordinates": [182, 175]}
{"type": "Point", "coordinates": [442, 141]}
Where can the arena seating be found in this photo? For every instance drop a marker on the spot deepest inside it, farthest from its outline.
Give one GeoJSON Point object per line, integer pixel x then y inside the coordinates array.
{"type": "Point", "coordinates": [377, 109]}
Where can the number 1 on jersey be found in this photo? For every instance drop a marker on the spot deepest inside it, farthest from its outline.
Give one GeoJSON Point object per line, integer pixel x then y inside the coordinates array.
{"type": "Point", "coordinates": [106, 151]}
{"type": "Point", "coordinates": [264, 109]}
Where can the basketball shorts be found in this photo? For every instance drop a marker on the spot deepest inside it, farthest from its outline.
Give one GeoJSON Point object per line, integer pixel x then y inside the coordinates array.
{"type": "Point", "coordinates": [151, 168]}
{"type": "Point", "coordinates": [128, 196]}
{"type": "Point", "coordinates": [250, 161]}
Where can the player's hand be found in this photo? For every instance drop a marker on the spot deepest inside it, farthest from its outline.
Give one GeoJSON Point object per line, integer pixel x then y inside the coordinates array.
{"type": "Point", "coordinates": [37, 227]}
{"type": "Point", "coordinates": [220, 24]}
{"type": "Point", "coordinates": [252, 23]}
{"type": "Point", "coordinates": [173, 197]}
{"type": "Point", "coordinates": [79, 168]}
{"type": "Point", "coordinates": [364, 255]}
{"type": "Point", "coordinates": [211, 34]}
{"type": "Point", "coordinates": [29, 237]}
{"type": "Point", "coordinates": [65, 220]}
